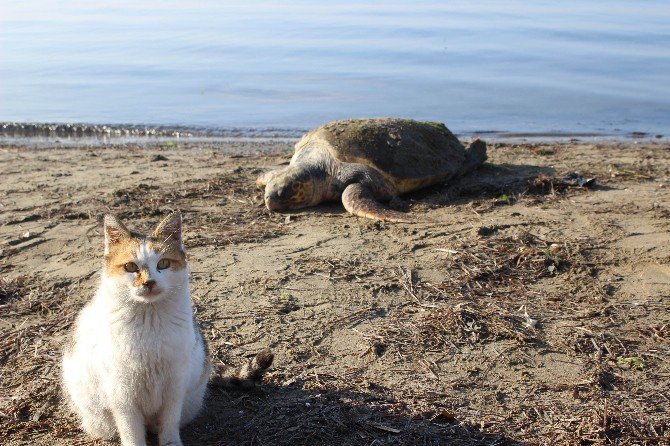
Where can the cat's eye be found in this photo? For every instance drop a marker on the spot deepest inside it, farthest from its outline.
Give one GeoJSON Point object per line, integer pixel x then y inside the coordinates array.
{"type": "Point", "coordinates": [131, 267]}
{"type": "Point", "coordinates": [163, 263]}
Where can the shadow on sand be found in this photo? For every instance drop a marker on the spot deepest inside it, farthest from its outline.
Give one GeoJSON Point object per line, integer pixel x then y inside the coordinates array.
{"type": "Point", "coordinates": [295, 415]}
{"type": "Point", "coordinates": [489, 181]}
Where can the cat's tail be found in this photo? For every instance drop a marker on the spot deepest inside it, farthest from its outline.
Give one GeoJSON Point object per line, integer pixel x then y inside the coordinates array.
{"type": "Point", "coordinates": [246, 375]}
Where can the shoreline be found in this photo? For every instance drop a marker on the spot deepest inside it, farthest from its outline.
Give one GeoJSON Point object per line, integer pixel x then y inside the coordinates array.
{"type": "Point", "coordinates": [82, 134]}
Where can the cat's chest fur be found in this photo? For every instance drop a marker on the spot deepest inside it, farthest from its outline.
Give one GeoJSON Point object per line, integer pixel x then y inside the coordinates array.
{"type": "Point", "coordinates": [143, 346]}
{"type": "Point", "coordinates": [150, 333]}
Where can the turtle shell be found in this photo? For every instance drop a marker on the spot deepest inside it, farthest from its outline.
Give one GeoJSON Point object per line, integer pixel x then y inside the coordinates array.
{"type": "Point", "coordinates": [410, 154]}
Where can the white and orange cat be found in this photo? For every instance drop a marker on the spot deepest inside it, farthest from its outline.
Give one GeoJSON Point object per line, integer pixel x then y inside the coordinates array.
{"type": "Point", "coordinates": [137, 359]}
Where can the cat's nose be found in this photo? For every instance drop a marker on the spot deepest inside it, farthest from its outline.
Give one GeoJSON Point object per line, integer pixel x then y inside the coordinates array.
{"type": "Point", "coordinates": [150, 284]}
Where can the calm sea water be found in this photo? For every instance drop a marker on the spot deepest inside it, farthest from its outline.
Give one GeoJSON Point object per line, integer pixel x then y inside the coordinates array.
{"type": "Point", "coordinates": [517, 66]}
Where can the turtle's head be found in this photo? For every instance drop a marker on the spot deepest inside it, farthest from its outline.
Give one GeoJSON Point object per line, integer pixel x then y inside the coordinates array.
{"type": "Point", "coordinates": [292, 188]}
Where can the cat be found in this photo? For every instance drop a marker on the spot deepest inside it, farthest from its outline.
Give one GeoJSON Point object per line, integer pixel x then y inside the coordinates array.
{"type": "Point", "coordinates": [137, 359]}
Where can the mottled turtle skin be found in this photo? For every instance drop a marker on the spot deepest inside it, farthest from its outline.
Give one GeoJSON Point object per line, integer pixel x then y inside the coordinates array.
{"type": "Point", "coordinates": [367, 162]}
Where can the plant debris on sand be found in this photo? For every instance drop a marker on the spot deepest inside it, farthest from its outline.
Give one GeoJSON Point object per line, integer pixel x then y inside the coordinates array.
{"type": "Point", "coordinates": [535, 312]}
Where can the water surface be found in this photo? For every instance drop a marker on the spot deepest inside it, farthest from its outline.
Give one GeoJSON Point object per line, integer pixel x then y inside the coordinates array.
{"type": "Point", "coordinates": [511, 66]}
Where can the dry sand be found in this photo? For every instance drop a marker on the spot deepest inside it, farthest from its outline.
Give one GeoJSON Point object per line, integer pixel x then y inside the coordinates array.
{"type": "Point", "coordinates": [532, 313]}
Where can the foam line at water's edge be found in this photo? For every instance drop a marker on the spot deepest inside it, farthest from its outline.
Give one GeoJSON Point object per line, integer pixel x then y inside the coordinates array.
{"type": "Point", "coordinates": [81, 134]}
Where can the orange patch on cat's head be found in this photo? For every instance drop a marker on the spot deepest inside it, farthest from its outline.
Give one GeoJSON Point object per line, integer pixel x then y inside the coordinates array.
{"type": "Point", "coordinates": [119, 255]}
{"type": "Point", "coordinates": [142, 276]}
{"type": "Point", "coordinates": [121, 246]}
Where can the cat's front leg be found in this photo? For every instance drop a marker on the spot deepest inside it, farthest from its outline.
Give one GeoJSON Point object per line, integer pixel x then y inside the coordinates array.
{"type": "Point", "coordinates": [130, 425]}
{"type": "Point", "coordinates": [169, 418]}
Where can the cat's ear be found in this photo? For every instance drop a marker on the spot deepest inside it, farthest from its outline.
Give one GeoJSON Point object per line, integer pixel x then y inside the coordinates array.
{"type": "Point", "coordinates": [115, 231]}
{"type": "Point", "coordinates": [169, 228]}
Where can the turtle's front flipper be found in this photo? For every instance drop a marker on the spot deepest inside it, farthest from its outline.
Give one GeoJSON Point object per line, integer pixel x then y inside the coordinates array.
{"type": "Point", "coordinates": [265, 178]}
{"type": "Point", "coordinates": [359, 200]}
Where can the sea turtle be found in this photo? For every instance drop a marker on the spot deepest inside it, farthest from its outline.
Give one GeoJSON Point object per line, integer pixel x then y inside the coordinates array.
{"type": "Point", "coordinates": [366, 162]}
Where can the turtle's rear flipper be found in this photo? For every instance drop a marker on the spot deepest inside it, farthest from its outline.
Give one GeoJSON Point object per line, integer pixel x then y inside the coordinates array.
{"type": "Point", "coordinates": [476, 154]}
{"type": "Point", "coordinates": [360, 201]}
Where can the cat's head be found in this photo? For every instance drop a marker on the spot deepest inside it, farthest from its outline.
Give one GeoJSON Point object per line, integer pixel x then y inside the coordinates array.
{"type": "Point", "coordinates": [152, 267]}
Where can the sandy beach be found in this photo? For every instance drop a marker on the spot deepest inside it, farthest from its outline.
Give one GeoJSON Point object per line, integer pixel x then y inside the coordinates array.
{"type": "Point", "coordinates": [530, 310]}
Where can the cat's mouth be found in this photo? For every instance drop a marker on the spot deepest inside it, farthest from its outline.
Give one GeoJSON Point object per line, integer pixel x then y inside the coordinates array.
{"type": "Point", "coordinates": [145, 295]}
